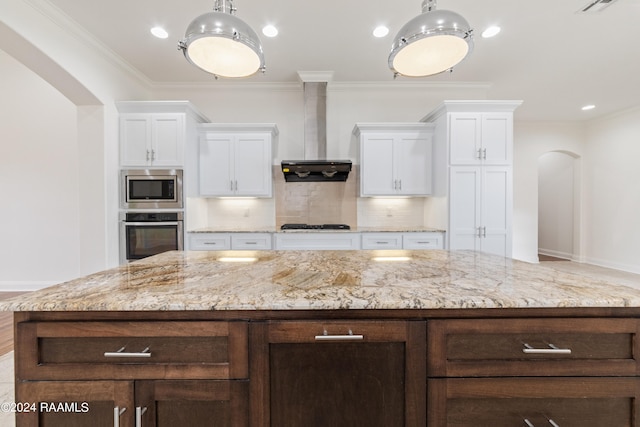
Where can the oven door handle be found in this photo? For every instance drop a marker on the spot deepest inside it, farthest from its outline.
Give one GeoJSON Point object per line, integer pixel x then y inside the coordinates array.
{"type": "Point", "coordinates": [152, 223]}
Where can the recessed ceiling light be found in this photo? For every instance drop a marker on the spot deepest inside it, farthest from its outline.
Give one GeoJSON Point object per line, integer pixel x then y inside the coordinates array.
{"type": "Point", "coordinates": [588, 107]}
{"type": "Point", "coordinates": [380, 31]}
{"type": "Point", "coordinates": [490, 31]}
{"type": "Point", "coordinates": [270, 31]}
{"type": "Point", "coordinates": [159, 32]}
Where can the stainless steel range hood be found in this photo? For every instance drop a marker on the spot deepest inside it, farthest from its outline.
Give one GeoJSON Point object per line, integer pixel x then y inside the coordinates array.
{"type": "Point", "coordinates": [315, 170]}
{"type": "Point", "coordinates": [315, 167]}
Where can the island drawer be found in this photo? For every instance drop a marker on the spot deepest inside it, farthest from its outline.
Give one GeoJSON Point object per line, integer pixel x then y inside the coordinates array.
{"type": "Point", "coordinates": [533, 347]}
{"type": "Point", "coordinates": [508, 402]}
{"type": "Point", "coordinates": [136, 349]}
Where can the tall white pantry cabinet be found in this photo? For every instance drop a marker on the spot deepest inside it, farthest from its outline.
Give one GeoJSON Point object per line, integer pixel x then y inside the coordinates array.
{"type": "Point", "coordinates": [474, 150]}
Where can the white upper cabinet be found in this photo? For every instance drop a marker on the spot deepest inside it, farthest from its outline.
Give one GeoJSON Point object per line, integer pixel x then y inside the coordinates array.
{"type": "Point", "coordinates": [395, 159]}
{"type": "Point", "coordinates": [153, 134]}
{"type": "Point", "coordinates": [236, 160]}
{"type": "Point", "coordinates": [480, 138]}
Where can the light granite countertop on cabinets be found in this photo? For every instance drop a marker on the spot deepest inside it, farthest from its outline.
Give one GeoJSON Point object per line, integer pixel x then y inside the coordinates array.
{"type": "Point", "coordinates": [326, 280]}
{"type": "Point", "coordinates": [410, 229]}
{"type": "Point", "coordinates": [232, 230]}
{"type": "Point", "coordinates": [400, 229]}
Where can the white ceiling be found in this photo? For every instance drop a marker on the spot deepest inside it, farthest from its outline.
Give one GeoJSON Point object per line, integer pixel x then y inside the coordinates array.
{"type": "Point", "coordinates": [548, 54]}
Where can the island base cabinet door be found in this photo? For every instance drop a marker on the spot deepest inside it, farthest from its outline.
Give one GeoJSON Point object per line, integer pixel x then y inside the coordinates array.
{"type": "Point", "coordinates": [346, 374]}
{"type": "Point", "coordinates": [337, 385]}
{"type": "Point", "coordinates": [75, 404]}
{"type": "Point", "coordinates": [529, 402]}
{"type": "Point", "coordinates": [192, 403]}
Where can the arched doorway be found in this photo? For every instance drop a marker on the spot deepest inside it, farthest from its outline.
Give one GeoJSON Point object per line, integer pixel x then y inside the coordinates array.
{"type": "Point", "coordinates": [559, 205]}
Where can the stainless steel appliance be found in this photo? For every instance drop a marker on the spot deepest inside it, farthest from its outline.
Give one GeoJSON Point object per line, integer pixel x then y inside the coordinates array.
{"type": "Point", "coordinates": [143, 234]}
{"type": "Point", "coordinates": [151, 189]}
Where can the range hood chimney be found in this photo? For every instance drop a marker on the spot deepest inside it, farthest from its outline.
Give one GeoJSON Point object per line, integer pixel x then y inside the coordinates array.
{"type": "Point", "coordinates": [315, 167]}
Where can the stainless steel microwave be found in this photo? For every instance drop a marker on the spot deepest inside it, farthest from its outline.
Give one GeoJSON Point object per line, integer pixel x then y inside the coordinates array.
{"type": "Point", "coordinates": [151, 189]}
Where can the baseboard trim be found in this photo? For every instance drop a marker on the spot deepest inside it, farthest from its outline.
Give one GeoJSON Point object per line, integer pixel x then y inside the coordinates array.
{"type": "Point", "coordinates": [557, 254]}
{"type": "Point", "coordinates": [613, 265]}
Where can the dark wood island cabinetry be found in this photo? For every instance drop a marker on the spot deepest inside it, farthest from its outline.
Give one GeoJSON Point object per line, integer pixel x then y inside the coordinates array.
{"type": "Point", "coordinates": [329, 339]}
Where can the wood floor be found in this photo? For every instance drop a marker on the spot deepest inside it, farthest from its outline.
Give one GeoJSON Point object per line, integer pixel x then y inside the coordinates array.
{"type": "Point", "coordinates": [6, 325]}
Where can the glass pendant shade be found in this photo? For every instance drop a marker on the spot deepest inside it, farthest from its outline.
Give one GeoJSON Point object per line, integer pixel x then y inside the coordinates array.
{"type": "Point", "coordinates": [430, 43]}
{"type": "Point", "coordinates": [223, 45]}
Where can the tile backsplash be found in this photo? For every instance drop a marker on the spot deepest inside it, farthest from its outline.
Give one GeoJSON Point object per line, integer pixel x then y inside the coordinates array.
{"type": "Point", "coordinates": [308, 203]}
{"type": "Point", "coordinates": [316, 202]}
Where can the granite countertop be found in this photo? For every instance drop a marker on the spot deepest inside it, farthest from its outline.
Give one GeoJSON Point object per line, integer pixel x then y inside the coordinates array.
{"type": "Point", "coordinates": [324, 280]}
{"type": "Point", "coordinates": [410, 229]}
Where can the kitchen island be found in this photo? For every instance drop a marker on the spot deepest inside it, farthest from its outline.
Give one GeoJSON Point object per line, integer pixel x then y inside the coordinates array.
{"type": "Point", "coordinates": [339, 338]}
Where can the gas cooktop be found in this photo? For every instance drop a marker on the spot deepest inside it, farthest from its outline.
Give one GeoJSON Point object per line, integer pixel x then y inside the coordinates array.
{"type": "Point", "coordinates": [315, 227]}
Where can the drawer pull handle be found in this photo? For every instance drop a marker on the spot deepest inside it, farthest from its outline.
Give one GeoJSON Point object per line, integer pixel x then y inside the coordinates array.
{"type": "Point", "coordinates": [121, 353]}
{"type": "Point", "coordinates": [553, 423]}
{"type": "Point", "coordinates": [551, 350]}
{"type": "Point", "coordinates": [116, 415]}
{"type": "Point", "coordinates": [139, 412]}
{"type": "Point", "coordinates": [349, 337]}
{"type": "Point", "coordinates": [528, 423]}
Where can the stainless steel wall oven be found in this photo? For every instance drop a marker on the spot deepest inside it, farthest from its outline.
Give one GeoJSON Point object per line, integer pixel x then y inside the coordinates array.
{"type": "Point", "coordinates": [151, 189]}
{"type": "Point", "coordinates": [143, 234]}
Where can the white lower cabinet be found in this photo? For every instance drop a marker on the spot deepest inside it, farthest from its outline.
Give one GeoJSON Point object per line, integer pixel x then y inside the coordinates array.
{"type": "Point", "coordinates": [381, 240]}
{"type": "Point", "coordinates": [427, 240]}
{"type": "Point", "coordinates": [248, 241]}
{"type": "Point", "coordinates": [314, 241]}
{"type": "Point", "coordinates": [317, 241]}
{"type": "Point", "coordinates": [480, 209]}
{"type": "Point", "coordinates": [230, 241]}
{"type": "Point", "coordinates": [409, 240]}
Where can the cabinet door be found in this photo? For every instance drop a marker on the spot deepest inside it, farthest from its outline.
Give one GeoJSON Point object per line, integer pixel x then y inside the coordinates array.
{"type": "Point", "coordinates": [464, 208]}
{"type": "Point", "coordinates": [381, 240]}
{"type": "Point", "coordinates": [167, 139]}
{"type": "Point", "coordinates": [480, 209]}
{"type": "Point", "coordinates": [192, 403]}
{"type": "Point", "coordinates": [465, 138]}
{"type": "Point", "coordinates": [209, 241]}
{"type": "Point", "coordinates": [376, 164]}
{"type": "Point", "coordinates": [135, 137]}
{"type": "Point", "coordinates": [347, 373]}
{"type": "Point", "coordinates": [76, 403]}
{"type": "Point", "coordinates": [251, 168]}
{"type": "Point", "coordinates": [496, 208]}
{"type": "Point", "coordinates": [317, 241]}
{"type": "Point", "coordinates": [508, 402]}
{"type": "Point", "coordinates": [215, 165]}
{"type": "Point", "coordinates": [413, 165]}
{"type": "Point", "coordinates": [497, 138]}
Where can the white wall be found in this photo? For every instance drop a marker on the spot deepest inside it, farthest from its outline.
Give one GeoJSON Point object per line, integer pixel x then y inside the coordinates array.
{"type": "Point", "coordinates": [532, 140]}
{"type": "Point", "coordinates": [39, 165]}
{"type": "Point", "coordinates": [612, 192]}
{"type": "Point", "coordinates": [556, 199]}
{"type": "Point", "coordinates": [60, 121]}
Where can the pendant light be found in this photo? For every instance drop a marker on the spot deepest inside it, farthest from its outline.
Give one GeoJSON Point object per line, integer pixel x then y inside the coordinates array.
{"type": "Point", "coordinates": [222, 44]}
{"type": "Point", "coordinates": [430, 43]}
